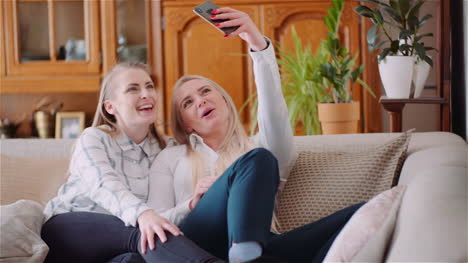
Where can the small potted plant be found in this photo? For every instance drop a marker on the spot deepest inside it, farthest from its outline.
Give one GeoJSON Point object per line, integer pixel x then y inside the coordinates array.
{"type": "Point", "coordinates": [338, 113]}
{"type": "Point", "coordinates": [404, 64]}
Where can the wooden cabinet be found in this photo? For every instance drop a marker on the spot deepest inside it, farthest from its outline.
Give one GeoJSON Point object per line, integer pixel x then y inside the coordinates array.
{"type": "Point", "coordinates": [50, 46]}
{"type": "Point", "coordinates": [165, 34]}
{"type": "Point", "coordinates": [194, 47]}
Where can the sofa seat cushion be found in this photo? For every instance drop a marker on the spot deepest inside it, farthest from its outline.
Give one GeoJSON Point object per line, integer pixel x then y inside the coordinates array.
{"type": "Point", "coordinates": [20, 240]}
{"type": "Point", "coordinates": [31, 178]}
{"type": "Point", "coordinates": [325, 180]}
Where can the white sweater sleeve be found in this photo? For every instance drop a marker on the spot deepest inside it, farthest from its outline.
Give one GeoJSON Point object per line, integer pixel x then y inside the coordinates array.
{"type": "Point", "coordinates": [162, 197]}
{"type": "Point", "coordinates": [275, 133]}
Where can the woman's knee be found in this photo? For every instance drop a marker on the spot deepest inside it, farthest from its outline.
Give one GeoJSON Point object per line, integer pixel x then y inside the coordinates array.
{"type": "Point", "coordinates": [263, 156]}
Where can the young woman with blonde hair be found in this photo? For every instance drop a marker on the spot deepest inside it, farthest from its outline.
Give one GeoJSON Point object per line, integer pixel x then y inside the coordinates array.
{"type": "Point", "coordinates": [216, 185]}
{"type": "Point", "coordinates": [101, 211]}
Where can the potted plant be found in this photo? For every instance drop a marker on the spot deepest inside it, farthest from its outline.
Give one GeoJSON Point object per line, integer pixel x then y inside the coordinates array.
{"type": "Point", "coordinates": [302, 89]}
{"type": "Point", "coordinates": [404, 64]}
{"type": "Point", "coordinates": [338, 113]}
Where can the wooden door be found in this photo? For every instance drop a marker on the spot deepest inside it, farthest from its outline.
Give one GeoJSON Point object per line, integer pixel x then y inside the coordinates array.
{"type": "Point", "coordinates": [192, 46]}
{"type": "Point", "coordinates": [308, 20]}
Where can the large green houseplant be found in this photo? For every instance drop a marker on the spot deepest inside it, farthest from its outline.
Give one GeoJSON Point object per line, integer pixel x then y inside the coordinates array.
{"type": "Point", "coordinates": [309, 79]}
{"type": "Point", "coordinates": [339, 113]}
{"type": "Point", "coordinates": [403, 60]}
{"type": "Point", "coordinates": [302, 89]}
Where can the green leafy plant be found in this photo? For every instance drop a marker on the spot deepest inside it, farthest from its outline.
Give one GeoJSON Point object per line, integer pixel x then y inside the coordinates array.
{"type": "Point", "coordinates": [404, 17]}
{"type": "Point", "coordinates": [340, 70]}
{"type": "Point", "coordinates": [302, 89]}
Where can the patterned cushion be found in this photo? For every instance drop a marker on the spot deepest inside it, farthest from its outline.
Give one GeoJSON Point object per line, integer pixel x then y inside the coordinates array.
{"type": "Point", "coordinates": [323, 182]}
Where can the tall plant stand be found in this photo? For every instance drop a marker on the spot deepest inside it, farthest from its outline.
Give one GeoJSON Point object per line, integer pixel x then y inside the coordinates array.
{"type": "Point", "coordinates": [394, 107]}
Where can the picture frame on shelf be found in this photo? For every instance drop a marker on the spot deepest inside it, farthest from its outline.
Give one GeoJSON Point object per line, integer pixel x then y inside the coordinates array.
{"type": "Point", "coordinates": [69, 125]}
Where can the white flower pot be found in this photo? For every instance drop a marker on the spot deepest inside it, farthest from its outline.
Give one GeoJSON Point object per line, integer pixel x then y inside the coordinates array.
{"type": "Point", "coordinates": [420, 75]}
{"type": "Point", "coordinates": [396, 73]}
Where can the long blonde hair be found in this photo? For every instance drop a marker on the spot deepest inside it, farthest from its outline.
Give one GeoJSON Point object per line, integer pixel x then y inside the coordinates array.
{"type": "Point", "coordinates": [102, 117]}
{"type": "Point", "coordinates": [235, 143]}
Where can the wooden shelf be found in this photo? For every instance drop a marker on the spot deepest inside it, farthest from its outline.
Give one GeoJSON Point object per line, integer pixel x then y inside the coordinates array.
{"type": "Point", "coordinates": [395, 106]}
{"type": "Point", "coordinates": [420, 100]}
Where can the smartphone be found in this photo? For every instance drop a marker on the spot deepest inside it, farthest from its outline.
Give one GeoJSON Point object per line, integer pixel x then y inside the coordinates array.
{"type": "Point", "coordinates": [204, 11]}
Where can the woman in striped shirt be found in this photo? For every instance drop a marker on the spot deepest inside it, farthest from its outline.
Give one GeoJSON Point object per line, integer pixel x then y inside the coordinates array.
{"type": "Point", "coordinates": [101, 211]}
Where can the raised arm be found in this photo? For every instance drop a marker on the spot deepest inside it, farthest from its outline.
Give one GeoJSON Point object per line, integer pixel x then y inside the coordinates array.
{"type": "Point", "coordinates": [275, 131]}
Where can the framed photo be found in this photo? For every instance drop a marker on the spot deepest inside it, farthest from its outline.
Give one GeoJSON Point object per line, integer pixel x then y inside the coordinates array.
{"type": "Point", "coordinates": [69, 125]}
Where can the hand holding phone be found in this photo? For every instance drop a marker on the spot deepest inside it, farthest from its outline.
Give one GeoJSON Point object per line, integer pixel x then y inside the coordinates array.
{"type": "Point", "coordinates": [205, 11]}
{"type": "Point", "coordinates": [232, 23]}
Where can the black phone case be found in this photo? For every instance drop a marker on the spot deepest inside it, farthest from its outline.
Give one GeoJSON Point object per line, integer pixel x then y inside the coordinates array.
{"type": "Point", "coordinates": [204, 11]}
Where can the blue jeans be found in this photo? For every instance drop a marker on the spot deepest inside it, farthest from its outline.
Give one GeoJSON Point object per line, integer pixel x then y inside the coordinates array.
{"type": "Point", "coordinates": [311, 242]}
{"type": "Point", "coordinates": [92, 237]}
{"type": "Point", "coordinates": [238, 207]}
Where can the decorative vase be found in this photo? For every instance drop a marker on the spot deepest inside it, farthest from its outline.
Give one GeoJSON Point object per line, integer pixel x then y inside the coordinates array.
{"type": "Point", "coordinates": [339, 118]}
{"type": "Point", "coordinates": [44, 122]}
{"type": "Point", "coordinates": [420, 75]}
{"type": "Point", "coordinates": [396, 73]}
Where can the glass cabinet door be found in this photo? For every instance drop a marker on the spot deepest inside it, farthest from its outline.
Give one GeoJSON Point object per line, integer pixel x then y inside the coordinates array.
{"type": "Point", "coordinates": [55, 37]}
{"type": "Point", "coordinates": [131, 30]}
{"type": "Point", "coordinates": [125, 31]}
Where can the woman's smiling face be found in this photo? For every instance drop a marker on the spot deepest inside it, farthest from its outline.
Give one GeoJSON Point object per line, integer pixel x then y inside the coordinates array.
{"type": "Point", "coordinates": [203, 109]}
{"type": "Point", "coordinates": [133, 99]}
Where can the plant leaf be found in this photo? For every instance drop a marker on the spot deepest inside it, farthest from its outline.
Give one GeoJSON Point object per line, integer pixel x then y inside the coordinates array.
{"type": "Point", "coordinates": [360, 81]}
{"type": "Point", "coordinates": [414, 10]}
{"type": "Point", "coordinates": [384, 53]}
{"type": "Point", "coordinates": [363, 10]}
{"type": "Point", "coordinates": [405, 34]}
{"type": "Point", "coordinates": [395, 4]}
{"type": "Point", "coordinates": [428, 60]}
{"type": "Point", "coordinates": [379, 16]}
{"type": "Point", "coordinates": [404, 7]}
{"type": "Point", "coordinates": [424, 19]}
{"type": "Point", "coordinates": [420, 50]}
{"type": "Point", "coordinates": [375, 2]}
{"type": "Point", "coordinates": [394, 46]}
{"type": "Point", "coordinates": [423, 35]}
{"type": "Point", "coordinates": [413, 23]}
{"type": "Point", "coordinates": [378, 46]}
{"type": "Point", "coordinates": [372, 35]}
{"type": "Point", "coordinates": [393, 14]}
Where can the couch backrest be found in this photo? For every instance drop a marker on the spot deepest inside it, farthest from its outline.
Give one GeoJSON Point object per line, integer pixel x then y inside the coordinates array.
{"type": "Point", "coordinates": [35, 168]}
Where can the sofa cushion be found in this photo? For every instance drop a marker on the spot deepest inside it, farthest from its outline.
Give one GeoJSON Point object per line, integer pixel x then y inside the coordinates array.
{"type": "Point", "coordinates": [31, 178]}
{"type": "Point", "coordinates": [323, 182]}
{"type": "Point", "coordinates": [20, 240]}
{"type": "Point", "coordinates": [367, 234]}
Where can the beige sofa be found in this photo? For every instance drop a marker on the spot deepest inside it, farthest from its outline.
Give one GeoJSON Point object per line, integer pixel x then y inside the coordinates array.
{"type": "Point", "coordinates": [431, 223]}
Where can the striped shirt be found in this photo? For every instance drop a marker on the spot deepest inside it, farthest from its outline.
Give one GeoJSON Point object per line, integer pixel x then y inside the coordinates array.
{"type": "Point", "coordinates": [108, 174]}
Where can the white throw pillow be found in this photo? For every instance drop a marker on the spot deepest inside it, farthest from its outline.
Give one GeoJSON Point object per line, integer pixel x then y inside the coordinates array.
{"type": "Point", "coordinates": [20, 239]}
{"type": "Point", "coordinates": [366, 235]}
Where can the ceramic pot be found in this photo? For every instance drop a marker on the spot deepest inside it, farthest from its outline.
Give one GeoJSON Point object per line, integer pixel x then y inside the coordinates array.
{"type": "Point", "coordinates": [420, 75]}
{"type": "Point", "coordinates": [339, 118]}
{"type": "Point", "coordinates": [396, 73]}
